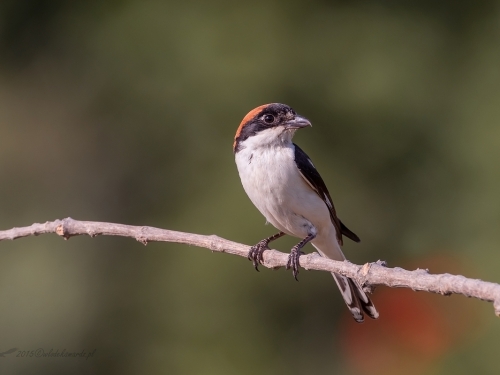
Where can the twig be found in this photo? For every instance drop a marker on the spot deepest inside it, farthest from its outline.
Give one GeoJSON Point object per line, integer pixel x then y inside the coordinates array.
{"type": "Point", "coordinates": [368, 275]}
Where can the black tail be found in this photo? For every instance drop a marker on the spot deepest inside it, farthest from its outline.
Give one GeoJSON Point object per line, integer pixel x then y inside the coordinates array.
{"type": "Point", "coordinates": [355, 298]}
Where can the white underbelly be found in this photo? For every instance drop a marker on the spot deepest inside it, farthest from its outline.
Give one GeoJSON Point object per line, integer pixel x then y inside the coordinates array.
{"type": "Point", "coordinates": [275, 186]}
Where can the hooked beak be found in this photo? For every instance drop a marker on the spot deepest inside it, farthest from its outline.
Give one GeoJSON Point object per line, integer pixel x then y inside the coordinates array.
{"type": "Point", "coordinates": [297, 123]}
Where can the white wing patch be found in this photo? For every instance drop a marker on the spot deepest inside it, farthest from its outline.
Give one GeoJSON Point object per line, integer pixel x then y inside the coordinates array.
{"type": "Point", "coordinates": [327, 201]}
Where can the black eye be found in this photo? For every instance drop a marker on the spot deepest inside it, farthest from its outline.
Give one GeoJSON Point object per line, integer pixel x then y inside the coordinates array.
{"type": "Point", "coordinates": [269, 119]}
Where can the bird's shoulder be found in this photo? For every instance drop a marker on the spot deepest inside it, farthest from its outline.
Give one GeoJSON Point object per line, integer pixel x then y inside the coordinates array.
{"type": "Point", "coordinates": [308, 170]}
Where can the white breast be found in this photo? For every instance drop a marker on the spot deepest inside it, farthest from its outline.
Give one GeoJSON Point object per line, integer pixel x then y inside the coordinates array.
{"type": "Point", "coordinates": [273, 183]}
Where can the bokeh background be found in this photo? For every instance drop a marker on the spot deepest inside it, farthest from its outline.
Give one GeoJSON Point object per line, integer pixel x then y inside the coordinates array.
{"type": "Point", "coordinates": [125, 110]}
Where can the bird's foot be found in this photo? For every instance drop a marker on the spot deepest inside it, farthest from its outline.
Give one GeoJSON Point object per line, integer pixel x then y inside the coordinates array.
{"type": "Point", "coordinates": [256, 253]}
{"type": "Point", "coordinates": [293, 261]}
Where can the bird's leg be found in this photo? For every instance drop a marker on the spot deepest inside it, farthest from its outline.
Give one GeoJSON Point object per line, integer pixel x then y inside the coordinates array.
{"type": "Point", "coordinates": [256, 252]}
{"type": "Point", "coordinates": [293, 258]}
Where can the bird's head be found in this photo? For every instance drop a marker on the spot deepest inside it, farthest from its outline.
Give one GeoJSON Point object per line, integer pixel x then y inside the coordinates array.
{"type": "Point", "coordinates": [267, 125]}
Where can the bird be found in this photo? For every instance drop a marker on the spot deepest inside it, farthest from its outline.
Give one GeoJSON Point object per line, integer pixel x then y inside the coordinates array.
{"type": "Point", "coordinates": [285, 186]}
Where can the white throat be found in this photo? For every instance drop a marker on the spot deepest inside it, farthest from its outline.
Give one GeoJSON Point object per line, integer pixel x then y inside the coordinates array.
{"type": "Point", "coordinates": [272, 137]}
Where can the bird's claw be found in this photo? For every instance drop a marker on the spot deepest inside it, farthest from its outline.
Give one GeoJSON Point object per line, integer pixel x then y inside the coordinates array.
{"type": "Point", "coordinates": [293, 261]}
{"type": "Point", "coordinates": [256, 253]}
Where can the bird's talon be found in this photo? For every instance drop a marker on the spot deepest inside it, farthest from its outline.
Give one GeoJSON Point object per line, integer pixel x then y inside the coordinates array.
{"type": "Point", "coordinates": [256, 266]}
{"type": "Point", "coordinates": [293, 262]}
{"type": "Point", "coordinates": [256, 253]}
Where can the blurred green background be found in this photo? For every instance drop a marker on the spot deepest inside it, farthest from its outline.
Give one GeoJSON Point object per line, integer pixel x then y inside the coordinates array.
{"type": "Point", "coordinates": [125, 110]}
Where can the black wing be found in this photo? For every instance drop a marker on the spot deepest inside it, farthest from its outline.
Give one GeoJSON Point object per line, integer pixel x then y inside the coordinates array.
{"type": "Point", "coordinates": [313, 178]}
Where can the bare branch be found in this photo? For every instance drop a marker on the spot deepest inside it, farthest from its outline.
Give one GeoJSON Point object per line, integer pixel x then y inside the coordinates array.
{"type": "Point", "coordinates": [368, 275]}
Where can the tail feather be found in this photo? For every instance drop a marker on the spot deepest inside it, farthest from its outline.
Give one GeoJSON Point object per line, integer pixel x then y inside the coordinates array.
{"type": "Point", "coordinates": [355, 298]}
{"type": "Point", "coordinates": [350, 297]}
{"type": "Point", "coordinates": [366, 303]}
